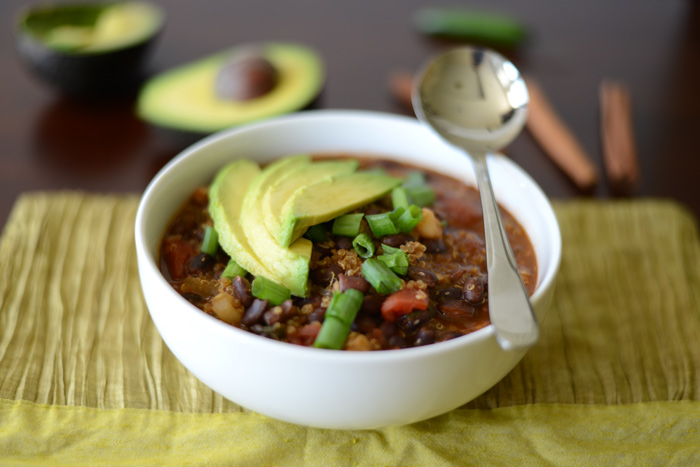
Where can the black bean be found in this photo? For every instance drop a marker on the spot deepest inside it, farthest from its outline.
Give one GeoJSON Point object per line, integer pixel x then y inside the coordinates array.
{"type": "Point", "coordinates": [281, 313]}
{"type": "Point", "coordinates": [318, 314]}
{"type": "Point", "coordinates": [364, 323]}
{"type": "Point", "coordinates": [241, 288]}
{"type": "Point", "coordinates": [397, 341]}
{"type": "Point", "coordinates": [323, 276]}
{"type": "Point", "coordinates": [372, 304]}
{"type": "Point", "coordinates": [434, 246]}
{"type": "Point", "coordinates": [288, 309]}
{"type": "Point", "coordinates": [474, 290]}
{"type": "Point", "coordinates": [388, 329]}
{"type": "Point", "coordinates": [342, 243]}
{"type": "Point", "coordinates": [414, 320]}
{"type": "Point", "coordinates": [273, 315]}
{"type": "Point", "coordinates": [424, 336]}
{"type": "Point", "coordinates": [421, 274]}
{"type": "Point", "coordinates": [449, 293]}
{"type": "Point", "coordinates": [397, 240]}
{"type": "Point", "coordinates": [314, 299]}
{"type": "Point", "coordinates": [200, 263]}
{"type": "Point", "coordinates": [255, 311]}
{"type": "Point", "coordinates": [456, 308]}
{"type": "Point", "coordinates": [353, 282]}
{"type": "Point", "coordinates": [323, 251]}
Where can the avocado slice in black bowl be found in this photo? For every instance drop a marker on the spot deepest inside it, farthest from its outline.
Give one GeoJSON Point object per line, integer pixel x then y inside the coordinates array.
{"type": "Point", "coordinates": [89, 50]}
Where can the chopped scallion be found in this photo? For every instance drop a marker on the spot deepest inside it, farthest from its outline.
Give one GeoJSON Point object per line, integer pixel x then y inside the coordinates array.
{"type": "Point", "coordinates": [332, 335]}
{"type": "Point", "coordinates": [381, 224]}
{"type": "Point", "coordinates": [233, 269]}
{"type": "Point", "coordinates": [210, 243]}
{"type": "Point", "coordinates": [414, 178]}
{"type": "Point", "coordinates": [380, 276]}
{"type": "Point", "coordinates": [347, 225]}
{"type": "Point", "coordinates": [409, 218]}
{"type": "Point", "coordinates": [344, 306]}
{"type": "Point", "coordinates": [395, 259]}
{"type": "Point", "coordinates": [391, 250]}
{"type": "Point", "coordinates": [317, 233]}
{"type": "Point", "coordinates": [399, 198]}
{"type": "Point", "coordinates": [396, 213]}
{"type": "Point", "coordinates": [363, 245]}
{"type": "Point", "coordinates": [265, 289]}
{"type": "Point", "coordinates": [421, 195]}
{"type": "Point", "coordinates": [340, 315]}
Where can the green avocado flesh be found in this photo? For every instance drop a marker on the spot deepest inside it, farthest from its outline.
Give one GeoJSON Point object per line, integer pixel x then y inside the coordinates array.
{"type": "Point", "coordinates": [185, 98]}
{"type": "Point", "coordinates": [332, 197]}
{"type": "Point", "coordinates": [93, 28]}
{"type": "Point", "coordinates": [251, 208]}
{"type": "Point", "coordinates": [233, 208]}
{"type": "Point", "coordinates": [226, 196]}
{"type": "Point", "coordinates": [293, 182]}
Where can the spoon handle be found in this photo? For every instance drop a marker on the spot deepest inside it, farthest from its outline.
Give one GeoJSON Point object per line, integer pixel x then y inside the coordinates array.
{"type": "Point", "coordinates": [509, 307]}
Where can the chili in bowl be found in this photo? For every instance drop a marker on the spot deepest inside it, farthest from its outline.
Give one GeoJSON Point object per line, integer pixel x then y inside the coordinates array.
{"type": "Point", "coordinates": [418, 342]}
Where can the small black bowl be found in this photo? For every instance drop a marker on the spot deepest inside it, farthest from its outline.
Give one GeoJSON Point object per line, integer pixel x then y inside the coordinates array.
{"type": "Point", "coordinates": [58, 43]}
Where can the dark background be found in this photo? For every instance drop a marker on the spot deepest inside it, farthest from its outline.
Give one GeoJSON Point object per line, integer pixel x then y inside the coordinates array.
{"type": "Point", "coordinates": [49, 143]}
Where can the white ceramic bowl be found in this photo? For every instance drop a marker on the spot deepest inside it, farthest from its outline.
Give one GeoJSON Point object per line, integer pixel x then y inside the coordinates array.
{"type": "Point", "coordinates": [326, 388]}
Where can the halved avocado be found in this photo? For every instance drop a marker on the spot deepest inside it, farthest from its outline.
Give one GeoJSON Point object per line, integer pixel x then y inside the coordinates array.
{"type": "Point", "coordinates": [89, 50]}
{"type": "Point", "coordinates": [185, 98]}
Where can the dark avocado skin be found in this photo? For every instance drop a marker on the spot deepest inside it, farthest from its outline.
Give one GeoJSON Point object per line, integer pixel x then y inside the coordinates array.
{"type": "Point", "coordinates": [88, 76]}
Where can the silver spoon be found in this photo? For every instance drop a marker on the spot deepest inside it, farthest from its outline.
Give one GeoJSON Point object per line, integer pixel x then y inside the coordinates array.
{"type": "Point", "coordinates": [476, 100]}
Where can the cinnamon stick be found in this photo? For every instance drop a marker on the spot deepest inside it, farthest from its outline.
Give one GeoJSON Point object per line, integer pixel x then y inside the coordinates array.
{"type": "Point", "coordinates": [617, 135]}
{"type": "Point", "coordinates": [557, 140]}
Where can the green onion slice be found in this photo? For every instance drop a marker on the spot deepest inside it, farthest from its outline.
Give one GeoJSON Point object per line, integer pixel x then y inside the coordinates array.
{"type": "Point", "coordinates": [344, 306]}
{"type": "Point", "coordinates": [409, 218]}
{"type": "Point", "coordinates": [400, 198]}
{"type": "Point", "coordinates": [414, 178]}
{"type": "Point", "coordinates": [340, 315]}
{"type": "Point", "coordinates": [395, 259]}
{"type": "Point", "coordinates": [265, 289]}
{"type": "Point", "coordinates": [363, 245]}
{"type": "Point", "coordinates": [210, 243]}
{"type": "Point", "coordinates": [347, 225]}
{"type": "Point", "coordinates": [380, 276]}
{"type": "Point", "coordinates": [233, 269]}
{"type": "Point", "coordinates": [381, 224]}
{"type": "Point", "coordinates": [421, 195]}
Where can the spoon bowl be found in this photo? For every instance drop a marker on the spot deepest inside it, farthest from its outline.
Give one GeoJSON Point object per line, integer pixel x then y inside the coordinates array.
{"type": "Point", "coordinates": [477, 100]}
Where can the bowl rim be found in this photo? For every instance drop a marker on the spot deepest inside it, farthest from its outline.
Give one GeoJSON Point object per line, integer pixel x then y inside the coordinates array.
{"type": "Point", "coordinates": [427, 351]}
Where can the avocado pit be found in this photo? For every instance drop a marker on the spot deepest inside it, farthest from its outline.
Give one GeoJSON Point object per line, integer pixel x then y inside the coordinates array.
{"type": "Point", "coordinates": [246, 76]}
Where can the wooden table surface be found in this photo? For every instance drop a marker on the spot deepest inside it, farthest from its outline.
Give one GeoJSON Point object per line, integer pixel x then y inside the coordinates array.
{"type": "Point", "coordinates": [50, 143]}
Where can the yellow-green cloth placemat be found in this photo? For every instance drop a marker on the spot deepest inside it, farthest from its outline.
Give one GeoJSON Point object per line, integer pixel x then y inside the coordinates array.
{"type": "Point", "coordinates": [85, 378]}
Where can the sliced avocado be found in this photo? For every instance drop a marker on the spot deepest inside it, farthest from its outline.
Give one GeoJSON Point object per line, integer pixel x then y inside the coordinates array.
{"type": "Point", "coordinates": [292, 182]}
{"type": "Point", "coordinates": [332, 197]}
{"type": "Point", "coordinates": [226, 195]}
{"type": "Point", "coordinates": [287, 265]}
{"type": "Point", "coordinates": [185, 98]}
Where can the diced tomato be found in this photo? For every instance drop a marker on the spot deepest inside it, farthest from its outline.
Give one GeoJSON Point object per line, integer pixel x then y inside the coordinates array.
{"type": "Point", "coordinates": [305, 335]}
{"type": "Point", "coordinates": [176, 253]}
{"type": "Point", "coordinates": [403, 302]}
